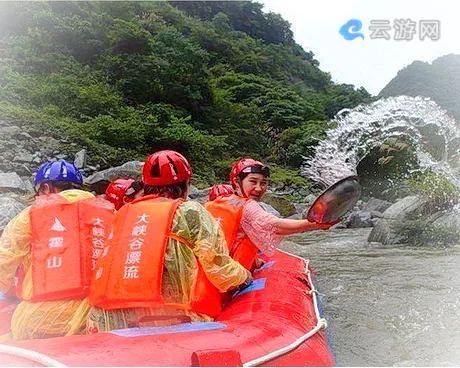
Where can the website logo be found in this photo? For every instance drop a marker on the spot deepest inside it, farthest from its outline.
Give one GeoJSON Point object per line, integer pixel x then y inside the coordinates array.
{"type": "Point", "coordinates": [350, 29]}
{"type": "Point", "coordinates": [402, 29]}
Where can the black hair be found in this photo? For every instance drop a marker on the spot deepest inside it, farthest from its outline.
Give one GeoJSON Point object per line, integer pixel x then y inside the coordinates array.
{"type": "Point", "coordinates": [134, 188]}
{"type": "Point", "coordinates": [173, 191]}
{"type": "Point", "coordinates": [60, 185]}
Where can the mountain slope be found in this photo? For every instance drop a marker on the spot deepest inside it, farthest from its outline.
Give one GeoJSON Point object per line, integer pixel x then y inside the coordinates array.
{"type": "Point", "coordinates": [440, 81]}
{"type": "Point", "coordinates": [213, 80]}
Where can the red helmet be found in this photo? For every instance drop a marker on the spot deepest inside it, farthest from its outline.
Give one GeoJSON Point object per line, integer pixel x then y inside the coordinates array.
{"type": "Point", "coordinates": [117, 190]}
{"type": "Point", "coordinates": [165, 168]}
{"type": "Point", "coordinates": [248, 165]}
{"type": "Point", "coordinates": [219, 190]}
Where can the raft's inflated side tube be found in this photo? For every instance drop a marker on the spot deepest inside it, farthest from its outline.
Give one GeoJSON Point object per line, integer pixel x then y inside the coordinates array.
{"type": "Point", "coordinates": [269, 322]}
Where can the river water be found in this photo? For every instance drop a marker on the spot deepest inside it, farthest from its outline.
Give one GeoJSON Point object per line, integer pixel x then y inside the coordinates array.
{"type": "Point", "coordinates": [385, 305]}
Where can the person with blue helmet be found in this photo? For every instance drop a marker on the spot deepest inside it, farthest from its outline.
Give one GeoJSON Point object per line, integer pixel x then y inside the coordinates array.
{"type": "Point", "coordinates": [57, 175]}
{"type": "Point", "coordinates": [59, 237]}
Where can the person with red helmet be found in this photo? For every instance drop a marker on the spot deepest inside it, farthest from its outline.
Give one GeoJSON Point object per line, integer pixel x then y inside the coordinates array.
{"type": "Point", "coordinates": [220, 190]}
{"type": "Point", "coordinates": [122, 191]}
{"type": "Point", "coordinates": [167, 261]}
{"type": "Point", "coordinates": [248, 228]}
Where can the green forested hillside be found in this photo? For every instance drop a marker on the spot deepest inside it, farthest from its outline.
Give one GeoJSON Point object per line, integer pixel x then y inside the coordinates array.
{"type": "Point", "coordinates": [213, 80]}
{"type": "Point", "coordinates": [440, 81]}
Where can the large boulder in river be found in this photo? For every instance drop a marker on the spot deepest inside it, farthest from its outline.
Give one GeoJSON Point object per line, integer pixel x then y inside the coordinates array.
{"type": "Point", "coordinates": [385, 229]}
{"type": "Point", "coordinates": [375, 204]}
{"type": "Point", "coordinates": [359, 219]}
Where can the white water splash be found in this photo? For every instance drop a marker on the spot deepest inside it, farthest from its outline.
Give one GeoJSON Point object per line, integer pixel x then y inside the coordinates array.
{"type": "Point", "coordinates": [359, 130]}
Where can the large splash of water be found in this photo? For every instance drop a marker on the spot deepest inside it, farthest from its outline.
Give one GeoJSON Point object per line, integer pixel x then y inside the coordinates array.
{"type": "Point", "coordinates": [357, 131]}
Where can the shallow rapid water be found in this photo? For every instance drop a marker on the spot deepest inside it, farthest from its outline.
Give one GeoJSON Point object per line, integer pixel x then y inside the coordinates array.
{"type": "Point", "coordinates": [385, 305]}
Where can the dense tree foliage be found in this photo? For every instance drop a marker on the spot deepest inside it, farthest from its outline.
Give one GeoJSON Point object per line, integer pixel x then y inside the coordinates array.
{"type": "Point", "coordinates": [440, 81]}
{"type": "Point", "coordinates": [214, 80]}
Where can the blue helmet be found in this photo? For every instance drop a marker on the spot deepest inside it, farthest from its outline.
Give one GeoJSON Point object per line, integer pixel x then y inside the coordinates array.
{"type": "Point", "coordinates": [58, 171]}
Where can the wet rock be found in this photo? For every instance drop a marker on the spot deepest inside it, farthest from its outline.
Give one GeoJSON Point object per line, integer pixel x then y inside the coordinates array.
{"type": "Point", "coordinates": [385, 229]}
{"type": "Point", "coordinates": [375, 204]}
{"type": "Point", "coordinates": [359, 219]}
{"type": "Point", "coordinates": [449, 218]}
{"type": "Point", "coordinates": [376, 214]}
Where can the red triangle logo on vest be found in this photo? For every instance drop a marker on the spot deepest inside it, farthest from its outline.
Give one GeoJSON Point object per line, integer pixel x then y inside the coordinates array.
{"type": "Point", "coordinates": [57, 226]}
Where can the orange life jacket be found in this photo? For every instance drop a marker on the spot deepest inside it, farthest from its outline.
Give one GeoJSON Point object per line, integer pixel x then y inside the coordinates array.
{"type": "Point", "coordinates": [130, 271]}
{"type": "Point", "coordinates": [228, 210]}
{"type": "Point", "coordinates": [67, 238]}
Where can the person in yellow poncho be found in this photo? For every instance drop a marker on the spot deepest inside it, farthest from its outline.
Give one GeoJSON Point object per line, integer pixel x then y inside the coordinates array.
{"type": "Point", "coordinates": [41, 245]}
{"type": "Point", "coordinates": [166, 261]}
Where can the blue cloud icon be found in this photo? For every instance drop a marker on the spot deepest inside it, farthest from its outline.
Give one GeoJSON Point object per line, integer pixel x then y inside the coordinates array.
{"type": "Point", "coordinates": [350, 29]}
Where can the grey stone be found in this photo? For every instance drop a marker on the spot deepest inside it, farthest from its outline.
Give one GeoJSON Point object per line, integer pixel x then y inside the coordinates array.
{"type": "Point", "coordinates": [359, 219]}
{"type": "Point", "coordinates": [98, 182]}
{"type": "Point", "coordinates": [449, 218]}
{"type": "Point", "coordinates": [195, 193]}
{"type": "Point", "coordinates": [376, 214]}
{"type": "Point", "coordinates": [24, 157]}
{"type": "Point", "coordinates": [375, 204]}
{"type": "Point", "coordinates": [11, 145]}
{"type": "Point", "coordinates": [80, 159]}
{"type": "Point", "coordinates": [24, 136]}
{"type": "Point", "coordinates": [309, 199]}
{"type": "Point", "coordinates": [385, 229]}
{"type": "Point", "coordinates": [301, 208]}
{"type": "Point", "coordinates": [10, 130]}
{"type": "Point", "coordinates": [11, 182]}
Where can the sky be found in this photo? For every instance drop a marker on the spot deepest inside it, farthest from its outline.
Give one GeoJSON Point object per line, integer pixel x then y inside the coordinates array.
{"type": "Point", "coordinates": [368, 62]}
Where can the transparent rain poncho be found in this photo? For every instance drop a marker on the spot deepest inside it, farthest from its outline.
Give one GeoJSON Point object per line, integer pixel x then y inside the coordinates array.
{"type": "Point", "coordinates": [38, 319]}
{"type": "Point", "coordinates": [193, 223]}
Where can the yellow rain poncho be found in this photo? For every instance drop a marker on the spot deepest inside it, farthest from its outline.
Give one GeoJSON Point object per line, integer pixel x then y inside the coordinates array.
{"type": "Point", "coordinates": [39, 319]}
{"type": "Point", "coordinates": [193, 223]}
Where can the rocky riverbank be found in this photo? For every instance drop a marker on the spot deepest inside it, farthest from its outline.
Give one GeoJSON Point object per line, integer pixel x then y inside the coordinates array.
{"type": "Point", "coordinates": [22, 151]}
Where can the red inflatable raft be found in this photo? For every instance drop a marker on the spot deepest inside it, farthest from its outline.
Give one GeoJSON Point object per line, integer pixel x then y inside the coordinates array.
{"type": "Point", "coordinates": [274, 322]}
